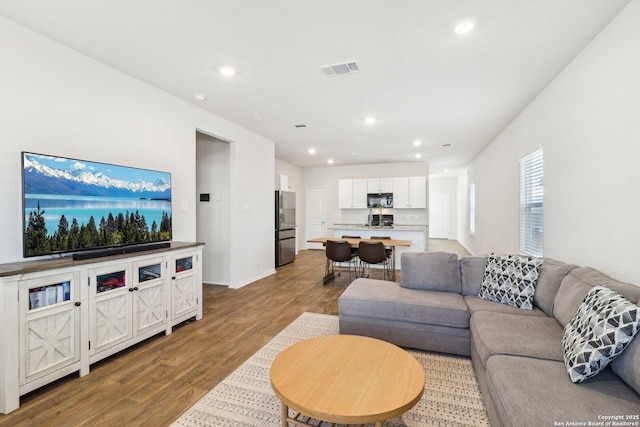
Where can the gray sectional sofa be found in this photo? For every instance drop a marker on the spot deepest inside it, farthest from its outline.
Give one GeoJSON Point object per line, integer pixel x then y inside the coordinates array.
{"type": "Point", "coordinates": [517, 354]}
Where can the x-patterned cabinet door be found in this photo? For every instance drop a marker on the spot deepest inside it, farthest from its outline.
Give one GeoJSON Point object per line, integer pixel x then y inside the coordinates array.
{"type": "Point", "coordinates": [184, 295]}
{"type": "Point", "coordinates": [149, 298]}
{"type": "Point", "coordinates": [110, 303]}
{"type": "Point", "coordinates": [50, 313]}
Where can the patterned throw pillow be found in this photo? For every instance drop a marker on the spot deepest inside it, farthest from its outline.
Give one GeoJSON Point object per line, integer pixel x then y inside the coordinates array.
{"type": "Point", "coordinates": [601, 329]}
{"type": "Point", "coordinates": [511, 280]}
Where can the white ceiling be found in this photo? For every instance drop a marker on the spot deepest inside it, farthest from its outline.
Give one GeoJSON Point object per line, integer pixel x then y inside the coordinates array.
{"type": "Point", "coordinates": [419, 79]}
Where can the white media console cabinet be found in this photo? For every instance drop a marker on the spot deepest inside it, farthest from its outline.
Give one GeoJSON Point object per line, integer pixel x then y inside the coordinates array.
{"type": "Point", "coordinates": [60, 315]}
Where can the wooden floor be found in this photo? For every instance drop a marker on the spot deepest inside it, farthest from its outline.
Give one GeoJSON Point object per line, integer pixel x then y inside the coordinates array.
{"type": "Point", "coordinates": [445, 245]}
{"type": "Point", "coordinates": [154, 382]}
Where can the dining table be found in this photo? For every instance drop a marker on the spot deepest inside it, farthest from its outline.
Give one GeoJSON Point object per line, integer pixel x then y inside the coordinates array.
{"type": "Point", "coordinates": [354, 242]}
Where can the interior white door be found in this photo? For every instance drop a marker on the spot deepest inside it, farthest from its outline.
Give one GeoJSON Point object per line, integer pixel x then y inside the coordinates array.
{"type": "Point", "coordinates": [316, 212]}
{"type": "Point", "coordinates": [439, 215]}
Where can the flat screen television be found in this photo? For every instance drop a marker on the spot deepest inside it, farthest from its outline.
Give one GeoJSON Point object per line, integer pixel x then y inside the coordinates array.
{"type": "Point", "coordinates": [72, 205]}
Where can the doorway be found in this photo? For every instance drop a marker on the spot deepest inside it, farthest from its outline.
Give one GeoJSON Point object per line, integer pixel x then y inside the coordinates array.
{"type": "Point", "coordinates": [439, 207]}
{"type": "Point", "coordinates": [213, 219]}
{"type": "Point", "coordinates": [316, 215]}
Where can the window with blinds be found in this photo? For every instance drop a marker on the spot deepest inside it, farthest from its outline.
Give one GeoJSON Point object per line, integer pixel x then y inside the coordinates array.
{"type": "Point", "coordinates": [531, 204]}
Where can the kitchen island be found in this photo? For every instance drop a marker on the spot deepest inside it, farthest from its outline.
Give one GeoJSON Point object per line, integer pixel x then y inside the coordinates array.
{"type": "Point", "coordinates": [418, 234]}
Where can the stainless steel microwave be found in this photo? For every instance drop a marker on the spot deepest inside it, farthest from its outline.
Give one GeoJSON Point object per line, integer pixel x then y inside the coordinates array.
{"type": "Point", "coordinates": [384, 199]}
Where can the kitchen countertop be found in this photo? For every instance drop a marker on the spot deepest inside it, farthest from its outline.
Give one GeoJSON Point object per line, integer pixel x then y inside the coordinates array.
{"type": "Point", "coordinates": [395, 227]}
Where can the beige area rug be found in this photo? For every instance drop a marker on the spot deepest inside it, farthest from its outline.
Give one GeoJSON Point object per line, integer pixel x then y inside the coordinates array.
{"type": "Point", "coordinates": [244, 398]}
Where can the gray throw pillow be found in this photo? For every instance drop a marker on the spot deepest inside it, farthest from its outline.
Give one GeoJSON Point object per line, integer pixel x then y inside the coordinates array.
{"type": "Point", "coordinates": [601, 329]}
{"type": "Point", "coordinates": [431, 271]}
{"type": "Point", "coordinates": [511, 280]}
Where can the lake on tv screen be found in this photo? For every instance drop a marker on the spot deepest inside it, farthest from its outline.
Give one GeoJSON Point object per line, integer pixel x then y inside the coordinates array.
{"type": "Point", "coordinates": [82, 208]}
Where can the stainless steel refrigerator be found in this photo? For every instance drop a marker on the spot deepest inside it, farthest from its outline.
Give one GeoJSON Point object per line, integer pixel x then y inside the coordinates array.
{"type": "Point", "coordinates": [285, 227]}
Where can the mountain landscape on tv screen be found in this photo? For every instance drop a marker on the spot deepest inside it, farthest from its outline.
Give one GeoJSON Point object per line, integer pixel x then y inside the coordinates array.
{"type": "Point", "coordinates": [42, 179]}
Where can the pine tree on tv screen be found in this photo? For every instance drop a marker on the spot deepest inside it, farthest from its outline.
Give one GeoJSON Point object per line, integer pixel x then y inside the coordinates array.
{"type": "Point", "coordinates": [72, 205]}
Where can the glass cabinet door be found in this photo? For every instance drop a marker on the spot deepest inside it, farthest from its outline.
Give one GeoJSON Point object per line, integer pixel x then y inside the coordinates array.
{"type": "Point", "coordinates": [149, 272]}
{"type": "Point", "coordinates": [184, 264]}
{"type": "Point", "coordinates": [111, 281]}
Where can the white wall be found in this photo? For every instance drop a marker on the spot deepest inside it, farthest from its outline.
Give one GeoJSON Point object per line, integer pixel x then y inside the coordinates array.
{"type": "Point", "coordinates": [57, 101]}
{"type": "Point", "coordinates": [328, 177]}
{"type": "Point", "coordinates": [588, 123]}
{"type": "Point", "coordinates": [294, 175]}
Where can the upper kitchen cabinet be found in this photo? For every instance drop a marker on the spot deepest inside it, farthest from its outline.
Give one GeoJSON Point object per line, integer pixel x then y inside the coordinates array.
{"type": "Point", "coordinates": [352, 193]}
{"type": "Point", "coordinates": [410, 192]}
{"type": "Point", "coordinates": [379, 185]}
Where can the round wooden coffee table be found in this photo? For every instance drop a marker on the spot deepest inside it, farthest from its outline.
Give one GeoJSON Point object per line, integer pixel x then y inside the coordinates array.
{"type": "Point", "coordinates": [346, 379]}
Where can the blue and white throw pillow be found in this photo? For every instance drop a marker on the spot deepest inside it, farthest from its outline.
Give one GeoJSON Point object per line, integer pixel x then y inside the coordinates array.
{"type": "Point", "coordinates": [601, 329]}
{"type": "Point", "coordinates": [511, 280]}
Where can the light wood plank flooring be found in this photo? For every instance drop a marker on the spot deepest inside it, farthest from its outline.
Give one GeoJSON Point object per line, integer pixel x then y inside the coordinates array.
{"type": "Point", "coordinates": [152, 383]}
{"type": "Point", "coordinates": [445, 245]}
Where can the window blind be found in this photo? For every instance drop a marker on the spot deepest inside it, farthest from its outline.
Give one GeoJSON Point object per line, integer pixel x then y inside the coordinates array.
{"type": "Point", "coordinates": [531, 204]}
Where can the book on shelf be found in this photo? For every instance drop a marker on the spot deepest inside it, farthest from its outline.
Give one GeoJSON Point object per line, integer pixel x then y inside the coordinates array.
{"type": "Point", "coordinates": [66, 286]}
{"type": "Point", "coordinates": [50, 295]}
{"type": "Point", "coordinates": [37, 298]}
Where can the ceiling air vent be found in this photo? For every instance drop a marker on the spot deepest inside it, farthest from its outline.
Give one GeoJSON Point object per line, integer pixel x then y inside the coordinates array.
{"type": "Point", "coordinates": [446, 146]}
{"type": "Point", "coordinates": [335, 70]}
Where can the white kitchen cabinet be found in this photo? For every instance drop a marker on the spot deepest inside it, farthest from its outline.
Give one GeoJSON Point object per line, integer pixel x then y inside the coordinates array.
{"type": "Point", "coordinates": [352, 193]}
{"type": "Point", "coordinates": [379, 185]}
{"type": "Point", "coordinates": [410, 192]}
{"type": "Point", "coordinates": [71, 313]}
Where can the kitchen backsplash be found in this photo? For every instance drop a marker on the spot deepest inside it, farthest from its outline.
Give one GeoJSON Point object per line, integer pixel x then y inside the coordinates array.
{"type": "Point", "coordinates": [400, 216]}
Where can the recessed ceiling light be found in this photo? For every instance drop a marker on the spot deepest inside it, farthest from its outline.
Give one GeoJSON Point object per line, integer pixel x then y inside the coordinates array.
{"type": "Point", "coordinates": [418, 156]}
{"type": "Point", "coordinates": [370, 120]}
{"type": "Point", "coordinates": [200, 96]}
{"type": "Point", "coordinates": [446, 170]}
{"type": "Point", "coordinates": [465, 26]}
{"type": "Point", "coordinates": [330, 161]}
{"type": "Point", "coordinates": [227, 71]}
{"type": "Point", "coordinates": [311, 151]}
{"type": "Point", "coordinates": [417, 143]}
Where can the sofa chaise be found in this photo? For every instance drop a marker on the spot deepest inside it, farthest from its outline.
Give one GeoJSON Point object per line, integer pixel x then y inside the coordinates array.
{"type": "Point", "coordinates": [517, 353]}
